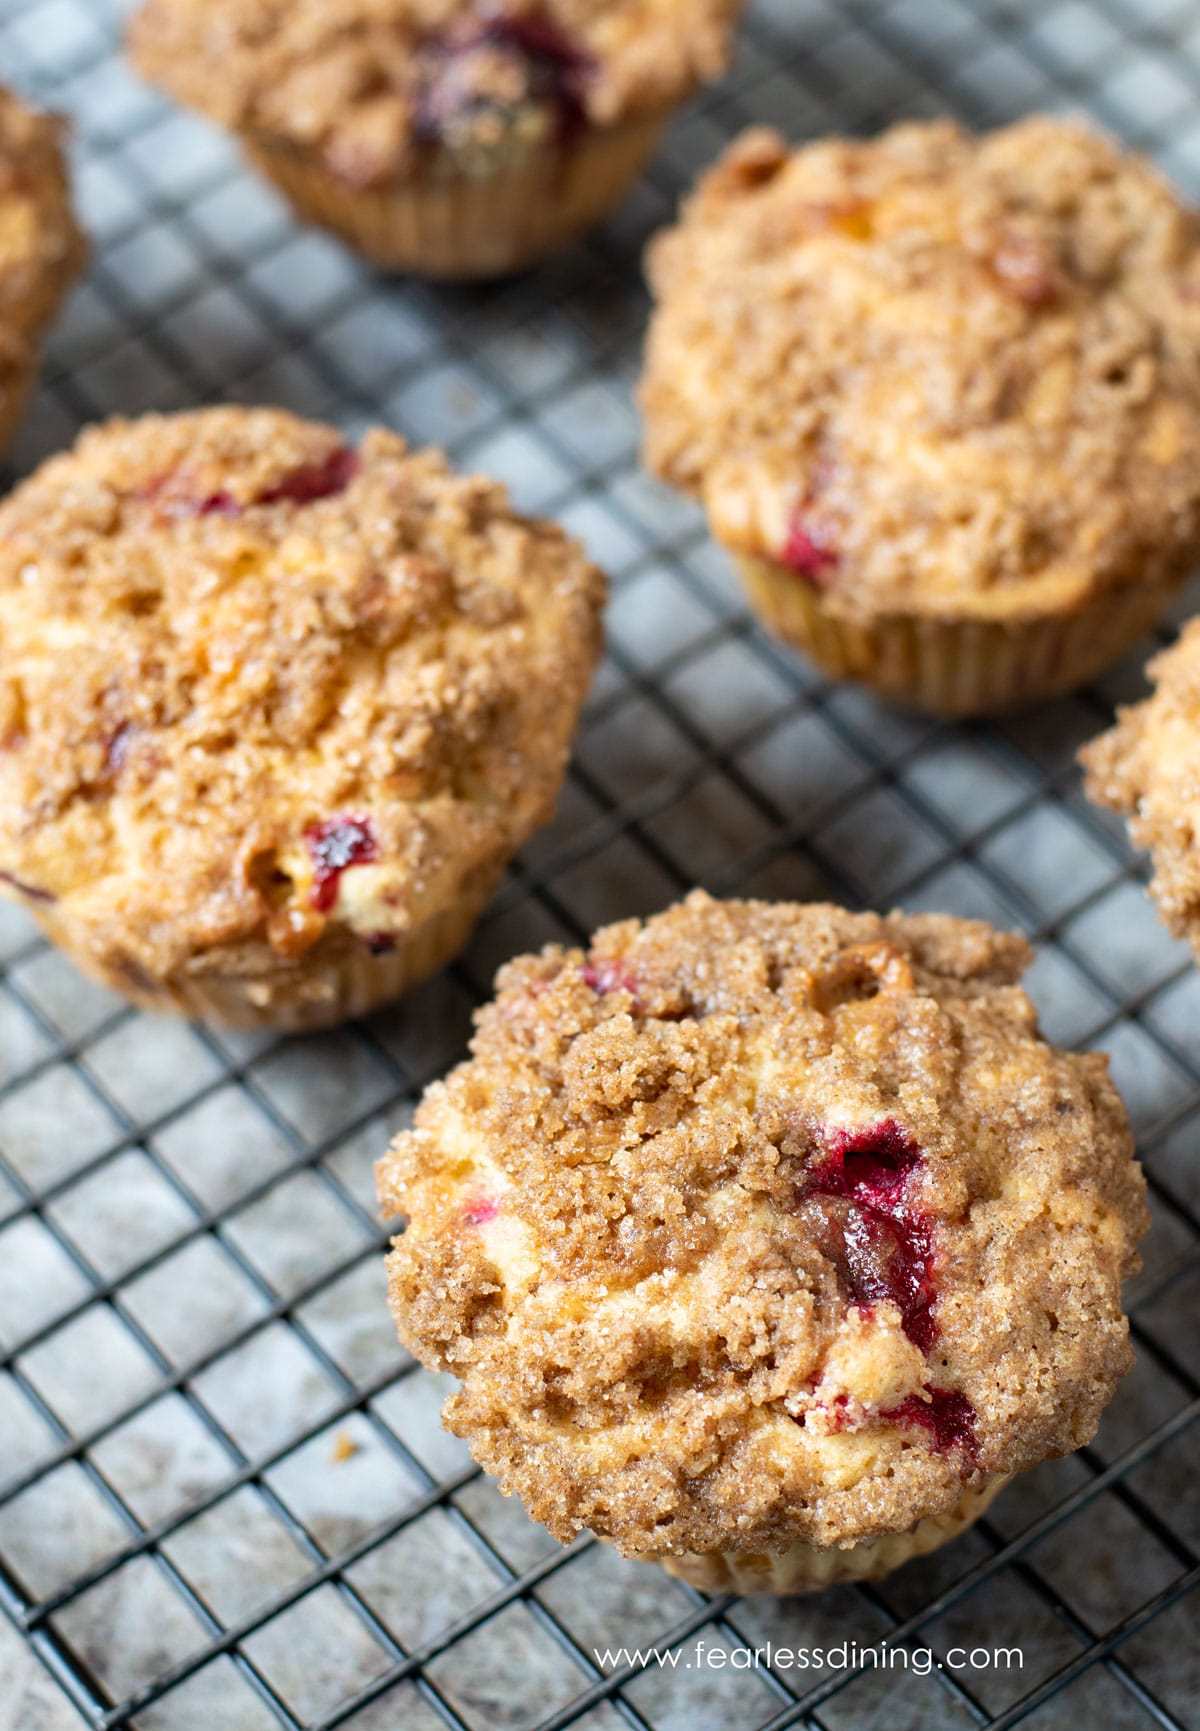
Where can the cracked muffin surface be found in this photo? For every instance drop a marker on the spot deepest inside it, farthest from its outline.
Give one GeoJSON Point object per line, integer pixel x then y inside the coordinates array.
{"type": "Point", "coordinates": [764, 1223]}
{"type": "Point", "coordinates": [1147, 768]}
{"type": "Point", "coordinates": [41, 247]}
{"type": "Point", "coordinates": [935, 374]}
{"type": "Point", "coordinates": [267, 698]}
{"type": "Point", "coordinates": [364, 84]}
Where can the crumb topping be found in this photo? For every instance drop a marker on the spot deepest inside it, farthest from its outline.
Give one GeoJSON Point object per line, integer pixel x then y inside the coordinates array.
{"type": "Point", "coordinates": [41, 247]}
{"type": "Point", "coordinates": [365, 85]}
{"type": "Point", "coordinates": [1147, 768]}
{"type": "Point", "coordinates": [261, 691]}
{"type": "Point", "coordinates": [935, 373]}
{"type": "Point", "coordinates": [761, 1223]}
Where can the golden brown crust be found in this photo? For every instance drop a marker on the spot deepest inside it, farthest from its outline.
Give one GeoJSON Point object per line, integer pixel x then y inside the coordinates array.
{"type": "Point", "coordinates": [936, 374]}
{"type": "Point", "coordinates": [343, 80]}
{"type": "Point", "coordinates": [764, 1223]}
{"type": "Point", "coordinates": [263, 697]}
{"type": "Point", "coordinates": [41, 247]}
{"type": "Point", "coordinates": [1147, 768]}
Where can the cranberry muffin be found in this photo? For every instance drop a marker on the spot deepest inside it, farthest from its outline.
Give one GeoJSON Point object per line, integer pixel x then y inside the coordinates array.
{"type": "Point", "coordinates": [41, 248]}
{"type": "Point", "coordinates": [274, 712]}
{"type": "Point", "coordinates": [452, 138]}
{"type": "Point", "coordinates": [767, 1240]}
{"type": "Point", "coordinates": [940, 396]}
{"type": "Point", "coordinates": [1147, 768]}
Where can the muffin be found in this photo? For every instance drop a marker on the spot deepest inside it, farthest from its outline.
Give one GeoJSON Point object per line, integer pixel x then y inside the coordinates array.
{"type": "Point", "coordinates": [767, 1241]}
{"type": "Point", "coordinates": [41, 248]}
{"type": "Point", "coordinates": [1147, 768]}
{"type": "Point", "coordinates": [451, 138]}
{"type": "Point", "coordinates": [275, 713]}
{"type": "Point", "coordinates": [940, 397]}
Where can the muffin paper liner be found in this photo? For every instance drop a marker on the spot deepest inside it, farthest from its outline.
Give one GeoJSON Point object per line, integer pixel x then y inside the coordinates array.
{"type": "Point", "coordinates": [35, 316]}
{"type": "Point", "coordinates": [14, 400]}
{"type": "Point", "coordinates": [807, 1569]}
{"type": "Point", "coordinates": [446, 223]}
{"type": "Point", "coordinates": [956, 667]}
{"type": "Point", "coordinates": [317, 991]}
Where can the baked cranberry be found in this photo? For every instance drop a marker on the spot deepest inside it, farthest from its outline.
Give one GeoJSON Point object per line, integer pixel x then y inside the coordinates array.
{"type": "Point", "coordinates": [173, 495]}
{"type": "Point", "coordinates": [551, 69]}
{"type": "Point", "coordinates": [889, 1261]}
{"type": "Point", "coordinates": [116, 750]}
{"type": "Point", "coordinates": [867, 1163]}
{"type": "Point", "coordinates": [837, 1411]}
{"type": "Point", "coordinates": [884, 1246]}
{"type": "Point", "coordinates": [308, 482]}
{"type": "Point", "coordinates": [481, 1210]}
{"type": "Point", "coordinates": [218, 504]}
{"type": "Point", "coordinates": [611, 975]}
{"type": "Point", "coordinates": [379, 943]}
{"type": "Point", "coordinates": [334, 846]}
{"type": "Point", "coordinates": [946, 1414]}
{"type": "Point", "coordinates": [809, 549]}
{"type": "Point", "coordinates": [1024, 272]}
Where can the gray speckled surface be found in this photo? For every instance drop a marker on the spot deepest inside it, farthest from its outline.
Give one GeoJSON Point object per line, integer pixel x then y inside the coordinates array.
{"type": "Point", "coordinates": [230, 1475]}
{"type": "Point", "coordinates": [28, 1698]}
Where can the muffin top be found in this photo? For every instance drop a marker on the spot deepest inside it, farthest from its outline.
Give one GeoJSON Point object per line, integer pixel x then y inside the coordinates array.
{"type": "Point", "coordinates": [256, 684]}
{"type": "Point", "coordinates": [364, 85]}
{"type": "Point", "coordinates": [932, 373]}
{"type": "Point", "coordinates": [1148, 768]}
{"type": "Point", "coordinates": [761, 1223]}
{"type": "Point", "coordinates": [41, 248]}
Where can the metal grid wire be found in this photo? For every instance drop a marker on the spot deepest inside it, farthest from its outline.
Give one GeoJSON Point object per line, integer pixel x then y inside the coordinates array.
{"type": "Point", "coordinates": [225, 1501]}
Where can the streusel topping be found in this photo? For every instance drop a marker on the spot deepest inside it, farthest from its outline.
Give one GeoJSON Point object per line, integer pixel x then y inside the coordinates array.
{"type": "Point", "coordinates": [935, 373]}
{"type": "Point", "coordinates": [1148, 768]}
{"type": "Point", "coordinates": [364, 84]}
{"type": "Point", "coordinates": [257, 685]}
{"type": "Point", "coordinates": [41, 247]}
{"type": "Point", "coordinates": [760, 1223]}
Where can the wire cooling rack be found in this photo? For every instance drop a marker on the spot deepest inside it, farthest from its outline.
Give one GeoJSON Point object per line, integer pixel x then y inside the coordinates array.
{"type": "Point", "coordinates": [226, 1503]}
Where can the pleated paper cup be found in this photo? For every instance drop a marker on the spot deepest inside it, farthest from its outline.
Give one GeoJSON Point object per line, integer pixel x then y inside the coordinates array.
{"type": "Point", "coordinates": [809, 1569]}
{"type": "Point", "coordinates": [339, 978]}
{"type": "Point", "coordinates": [443, 222]}
{"type": "Point", "coordinates": [952, 667]}
{"type": "Point", "coordinates": [16, 389]}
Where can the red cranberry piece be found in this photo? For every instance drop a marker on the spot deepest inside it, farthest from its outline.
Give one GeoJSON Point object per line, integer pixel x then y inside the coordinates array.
{"type": "Point", "coordinates": [379, 943]}
{"type": "Point", "coordinates": [218, 504]}
{"type": "Point", "coordinates": [308, 482]}
{"type": "Point", "coordinates": [612, 975]}
{"type": "Point", "coordinates": [334, 846]}
{"type": "Point", "coordinates": [809, 549]}
{"type": "Point", "coordinates": [556, 72]}
{"type": "Point", "coordinates": [947, 1415]}
{"type": "Point", "coordinates": [888, 1261]}
{"type": "Point", "coordinates": [171, 493]}
{"type": "Point", "coordinates": [868, 1164]}
{"type": "Point", "coordinates": [541, 39]}
{"type": "Point", "coordinates": [481, 1210]}
{"type": "Point", "coordinates": [1024, 273]}
{"type": "Point", "coordinates": [116, 750]}
{"type": "Point", "coordinates": [887, 1247]}
{"type": "Point", "coordinates": [837, 1411]}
